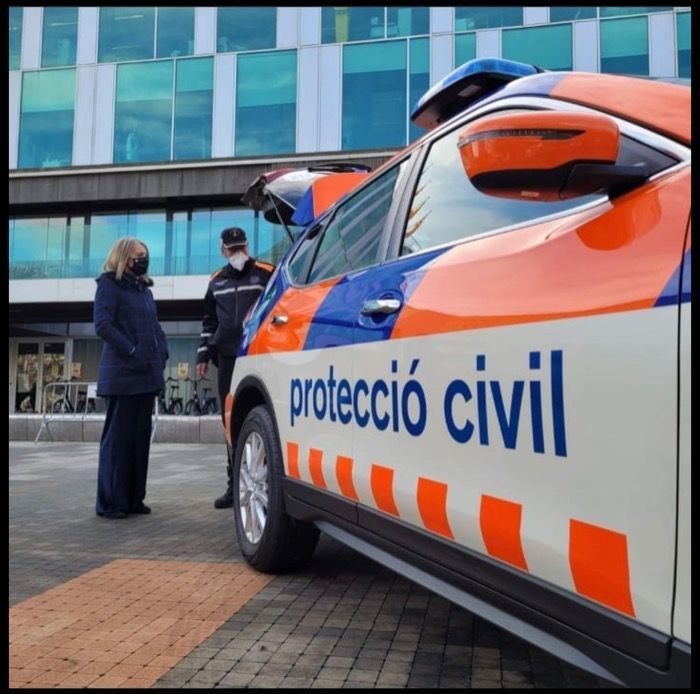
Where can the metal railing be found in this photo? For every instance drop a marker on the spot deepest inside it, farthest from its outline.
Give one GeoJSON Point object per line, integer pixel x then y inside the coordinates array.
{"type": "Point", "coordinates": [69, 401]}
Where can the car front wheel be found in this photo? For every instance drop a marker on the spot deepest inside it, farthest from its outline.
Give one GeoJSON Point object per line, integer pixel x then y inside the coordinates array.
{"type": "Point", "coordinates": [269, 539]}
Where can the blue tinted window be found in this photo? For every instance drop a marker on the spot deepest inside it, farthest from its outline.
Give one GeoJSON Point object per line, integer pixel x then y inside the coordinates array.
{"type": "Point", "coordinates": [126, 33]}
{"type": "Point", "coordinates": [341, 24]}
{"type": "Point", "coordinates": [246, 28]}
{"type": "Point", "coordinates": [374, 95]}
{"type": "Point", "coordinates": [407, 21]}
{"type": "Point", "coordinates": [548, 47]}
{"type": "Point", "coordinates": [59, 38]}
{"type": "Point", "coordinates": [194, 89]}
{"type": "Point", "coordinates": [624, 46]}
{"type": "Point", "coordinates": [266, 103]}
{"type": "Point", "coordinates": [175, 32]}
{"type": "Point", "coordinates": [46, 119]}
{"type": "Point", "coordinates": [683, 29]}
{"type": "Point", "coordinates": [418, 79]}
{"type": "Point", "coordinates": [567, 14]}
{"type": "Point", "coordinates": [465, 48]}
{"type": "Point", "coordinates": [15, 37]}
{"type": "Point", "coordinates": [619, 11]}
{"type": "Point", "coordinates": [467, 18]}
{"type": "Point", "coordinates": [143, 116]}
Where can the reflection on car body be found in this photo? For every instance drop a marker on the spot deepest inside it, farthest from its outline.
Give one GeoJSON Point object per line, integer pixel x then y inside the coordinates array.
{"type": "Point", "coordinates": [475, 368]}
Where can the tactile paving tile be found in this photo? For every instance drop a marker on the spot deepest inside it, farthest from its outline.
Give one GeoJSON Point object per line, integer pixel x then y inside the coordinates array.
{"type": "Point", "coordinates": [124, 624]}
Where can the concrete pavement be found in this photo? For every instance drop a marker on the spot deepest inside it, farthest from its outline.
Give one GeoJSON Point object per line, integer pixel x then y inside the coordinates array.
{"type": "Point", "coordinates": [166, 601]}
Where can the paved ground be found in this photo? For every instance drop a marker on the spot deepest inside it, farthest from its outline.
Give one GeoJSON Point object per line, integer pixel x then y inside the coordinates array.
{"type": "Point", "coordinates": [342, 621]}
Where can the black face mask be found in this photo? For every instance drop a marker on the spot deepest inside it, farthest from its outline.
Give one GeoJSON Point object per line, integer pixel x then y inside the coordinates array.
{"type": "Point", "coordinates": [140, 266]}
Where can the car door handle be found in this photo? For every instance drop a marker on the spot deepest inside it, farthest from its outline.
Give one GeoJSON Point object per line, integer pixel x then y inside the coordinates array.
{"type": "Point", "coordinates": [279, 319]}
{"type": "Point", "coordinates": [374, 306]}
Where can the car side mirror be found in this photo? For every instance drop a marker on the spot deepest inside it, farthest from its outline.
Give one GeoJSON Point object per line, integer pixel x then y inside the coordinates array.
{"type": "Point", "coordinates": [545, 155]}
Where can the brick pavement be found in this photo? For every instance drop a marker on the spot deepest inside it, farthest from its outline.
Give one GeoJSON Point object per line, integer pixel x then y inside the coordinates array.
{"type": "Point", "coordinates": [341, 622]}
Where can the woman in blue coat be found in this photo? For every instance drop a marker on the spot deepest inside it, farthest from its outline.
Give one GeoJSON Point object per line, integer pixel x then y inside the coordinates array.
{"type": "Point", "coordinates": [130, 376]}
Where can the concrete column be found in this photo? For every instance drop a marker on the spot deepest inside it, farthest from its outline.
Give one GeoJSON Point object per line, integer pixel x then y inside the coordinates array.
{"type": "Point", "coordinates": [662, 45]}
{"type": "Point", "coordinates": [13, 116]}
{"type": "Point", "coordinates": [287, 27]}
{"type": "Point", "coordinates": [105, 95]}
{"type": "Point", "coordinates": [442, 57]}
{"type": "Point", "coordinates": [535, 15]}
{"type": "Point", "coordinates": [330, 98]}
{"type": "Point", "coordinates": [488, 43]}
{"type": "Point", "coordinates": [32, 21]}
{"type": "Point", "coordinates": [586, 41]}
{"type": "Point", "coordinates": [309, 26]}
{"type": "Point", "coordinates": [204, 30]}
{"type": "Point", "coordinates": [308, 99]}
{"type": "Point", "coordinates": [84, 118]}
{"type": "Point", "coordinates": [88, 29]}
{"type": "Point", "coordinates": [442, 20]}
{"type": "Point", "coordinates": [224, 105]}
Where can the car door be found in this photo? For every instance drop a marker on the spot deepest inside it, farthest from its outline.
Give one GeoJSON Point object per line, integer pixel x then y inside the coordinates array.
{"type": "Point", "coordinates": [528, 391]}
{"type": "Point", "coordinates": [307, 337]}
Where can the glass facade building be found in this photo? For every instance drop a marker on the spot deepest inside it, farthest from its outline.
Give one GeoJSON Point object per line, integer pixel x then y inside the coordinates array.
{"type": "Point", "coordinates": [147, 91]}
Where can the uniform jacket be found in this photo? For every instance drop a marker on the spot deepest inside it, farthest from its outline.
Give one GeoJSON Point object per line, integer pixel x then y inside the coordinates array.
{"type": "Point", "coordinates": [135, 350]}
{"type": "Point", "coordinates": [230, 296]}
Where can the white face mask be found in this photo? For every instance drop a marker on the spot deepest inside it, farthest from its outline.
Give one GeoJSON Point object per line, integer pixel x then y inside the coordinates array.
{"type": "Point", "coordinates": [238, 260]}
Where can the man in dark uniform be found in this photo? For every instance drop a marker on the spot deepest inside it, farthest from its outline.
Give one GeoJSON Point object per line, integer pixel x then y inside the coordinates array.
{"type": "Point", "coordinates": [231, 293]}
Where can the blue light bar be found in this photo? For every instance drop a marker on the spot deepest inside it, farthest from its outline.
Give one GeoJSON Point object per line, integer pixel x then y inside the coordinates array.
{"type": "Point", "coordinates": [464, 86]}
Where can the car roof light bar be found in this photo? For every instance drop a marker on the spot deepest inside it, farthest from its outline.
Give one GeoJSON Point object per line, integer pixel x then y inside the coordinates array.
{"type": "Point", "coordinates": [466, 85]}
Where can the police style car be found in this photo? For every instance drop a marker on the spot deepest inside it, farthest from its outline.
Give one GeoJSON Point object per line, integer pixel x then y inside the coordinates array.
{"type": "Point", "coordinates": [474, 368]}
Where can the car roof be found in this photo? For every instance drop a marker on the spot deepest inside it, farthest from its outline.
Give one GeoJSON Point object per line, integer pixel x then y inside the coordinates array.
{"type": "Point", "coordinates": [659, 106]}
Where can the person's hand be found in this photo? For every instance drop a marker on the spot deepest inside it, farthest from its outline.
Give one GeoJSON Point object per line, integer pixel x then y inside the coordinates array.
{"type": "Point", "coordinates": [201, 369]}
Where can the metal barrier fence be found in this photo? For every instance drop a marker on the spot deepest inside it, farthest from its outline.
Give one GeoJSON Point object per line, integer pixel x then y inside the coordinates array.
{"type": "Point", "coordinates": [66, 399]}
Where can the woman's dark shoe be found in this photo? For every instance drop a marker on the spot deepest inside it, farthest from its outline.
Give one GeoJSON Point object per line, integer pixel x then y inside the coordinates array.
{"type": "Point", "coordinates": [142, 508]}
{"type": "Point", "coordinates": [113, 514]}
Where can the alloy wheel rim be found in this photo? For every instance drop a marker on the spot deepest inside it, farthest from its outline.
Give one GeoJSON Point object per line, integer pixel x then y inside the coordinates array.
{"type": "Point", "coordinates": [252, 488]}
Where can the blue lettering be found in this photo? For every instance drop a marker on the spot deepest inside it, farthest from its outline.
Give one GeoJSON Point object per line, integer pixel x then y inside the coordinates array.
{"type": "Point", "coordinates": [509, 425]}
{"type": "Point", "coordinates": [536, 407]}
{"type": "Point", "coordinates": [558, 403]}
{"type": "Point", "coordinates": [361, 385]}
{"type": "Point", "coordinates": [457, 388]}
{"type": "Point", "coordinates": [295, 398]}
{"type": "Point", "coordinates": [344, 398]}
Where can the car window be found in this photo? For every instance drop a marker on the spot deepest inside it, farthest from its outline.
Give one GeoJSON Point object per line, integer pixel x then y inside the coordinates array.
{"type": "Point", "coordinates": [447, 207]}
{"type": "Point", "coordinates": [352, 238]}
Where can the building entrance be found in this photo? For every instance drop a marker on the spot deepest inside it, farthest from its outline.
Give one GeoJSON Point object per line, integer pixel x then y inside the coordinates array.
{"type": "Point", "coordinates": [37, 363]}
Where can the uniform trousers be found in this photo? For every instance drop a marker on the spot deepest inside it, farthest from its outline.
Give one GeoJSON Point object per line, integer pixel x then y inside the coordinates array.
{"type": "Point", "coordinates": [124, 449]}
{"type": "Point", "coordinates": [223, 382]}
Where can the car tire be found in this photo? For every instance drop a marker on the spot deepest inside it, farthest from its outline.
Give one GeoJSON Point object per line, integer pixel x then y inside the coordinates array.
{"type": "Point", "coordinates": [269, 539]}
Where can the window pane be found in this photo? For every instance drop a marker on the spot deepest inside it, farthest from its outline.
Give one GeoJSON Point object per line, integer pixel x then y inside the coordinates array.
{"type": "Point", "coordinates": [374, 95]}
{"type": "Point", "coordinates": [15, 37]}
{"type": "Point", "coordinates": [418, 80]}
{"type": "Point", "coordinates": [175, 32]}
{"type": "Point", "coordinates": [46, 119]}
{"type": "Point", "coordinates": [624, 46]}
{"type": "Point", "coordinates": [104, 230]}
{"type": "Point", "coordinates": [266, 103]}
{"type": "Point", "coordinates": [467, 18]}
{"type": "Point", "coordinates": [465, 48]}
{"type": "Point", "coordinates": [193, 108]}
{"type": "Point", "coordinates": [76, 266]}
{"type": "Point", "coordinates": [143, 114]}
{"type": "Point", "coordinates": [351, 240]}
{"type": "Point", "coordinates": [126, 33]}
{"type": "Point", "coordinates": [149, 227]}
{"type": "Point", "coordinates": [28, 248]}
{"type": "Point", "coordinates": [60, 35]}
{"type": "Point", "coordinates": [246, 28]}
{"type": "Point", "coordinates": [340, 24]}
{"type": "Point", "coordinates": [548, 47]}
{"type": "Point", "coordinates": [566, 14]}
{"type": "Point", "coordinates": [446, 206]}
{"type": "Point", "coordinates": [407, 21]}
{"type": "Point", "coordinates": [683, 28]}
{"type": "Point", "coordinates": [619, 11]}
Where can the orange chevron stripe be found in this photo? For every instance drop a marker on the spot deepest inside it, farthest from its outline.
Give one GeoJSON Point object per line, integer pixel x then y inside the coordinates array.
{"type": "Point", "coordinates": [599, 565]}
{"type": "Point", "coordinates": [432, 506]}
{"type": "Point", "coordinates": [343, 473]}
{"type": "Point", "coordinates": [316, 467]}
{"type": "Point", "coordinates": [499, 520]}
{"type": "Point", "coordinates": [293, 460]}
{"type": "Point", "coordinates": [382, 483]}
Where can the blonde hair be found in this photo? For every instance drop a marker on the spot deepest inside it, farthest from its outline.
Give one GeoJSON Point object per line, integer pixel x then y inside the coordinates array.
{"type": "Point", "coordinates": [119, 255]}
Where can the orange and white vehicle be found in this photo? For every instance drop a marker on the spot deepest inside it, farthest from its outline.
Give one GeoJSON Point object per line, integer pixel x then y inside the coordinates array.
{"type": "Point", "coordinates": [475, 368]}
